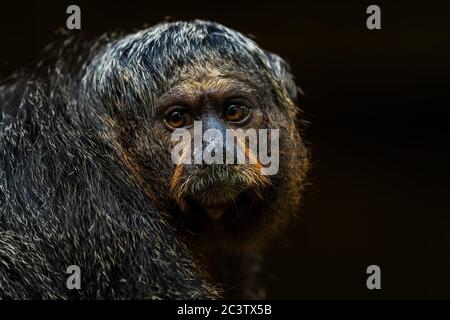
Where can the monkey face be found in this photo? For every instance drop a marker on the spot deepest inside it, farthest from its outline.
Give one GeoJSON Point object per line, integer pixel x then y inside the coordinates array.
{"type": "Point", "coordinates": [213, 102]}
{"type": "Point", "coordinates": [178, 76]}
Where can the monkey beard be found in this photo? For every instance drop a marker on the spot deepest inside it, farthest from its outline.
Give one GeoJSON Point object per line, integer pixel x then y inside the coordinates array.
{"type": "Point", "coordinates": [215, 187]}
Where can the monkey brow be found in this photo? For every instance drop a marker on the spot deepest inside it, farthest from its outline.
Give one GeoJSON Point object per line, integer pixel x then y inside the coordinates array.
{"type": "Point", "coordinates": [188, 92]}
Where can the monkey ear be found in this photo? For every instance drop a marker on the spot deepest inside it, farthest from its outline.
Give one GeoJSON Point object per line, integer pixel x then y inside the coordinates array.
{"type": "Point", "coordinates": [282, 71]}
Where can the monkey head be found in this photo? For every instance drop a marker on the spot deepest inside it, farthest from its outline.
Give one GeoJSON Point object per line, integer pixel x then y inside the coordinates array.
{"type": "Point", "coordinates": [194, 77]}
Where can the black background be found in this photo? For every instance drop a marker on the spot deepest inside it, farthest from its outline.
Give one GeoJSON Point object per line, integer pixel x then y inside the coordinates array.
{"type": "Point", "coordinates": [378, 107]}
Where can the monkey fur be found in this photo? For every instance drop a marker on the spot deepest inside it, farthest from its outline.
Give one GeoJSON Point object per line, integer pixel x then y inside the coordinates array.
{"type": "Point", "coordinates": [86, 176]}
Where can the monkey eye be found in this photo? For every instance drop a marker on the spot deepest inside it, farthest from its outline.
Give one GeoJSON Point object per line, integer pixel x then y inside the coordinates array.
{"type": "Point", "coordinates": [178, 119]}
{"type": "Point", "coordinates": [237, 113]}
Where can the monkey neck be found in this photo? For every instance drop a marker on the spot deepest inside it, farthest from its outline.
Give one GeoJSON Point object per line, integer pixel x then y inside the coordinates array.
{"type": "Point", "coordinates": [237, 271]}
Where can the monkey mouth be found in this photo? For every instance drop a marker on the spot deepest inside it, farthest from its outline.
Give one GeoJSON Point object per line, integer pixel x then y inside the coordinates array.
{"type": "Point", "coordinates": [215, 189]}
{"type": "Point", "coordinates": [215, 199]}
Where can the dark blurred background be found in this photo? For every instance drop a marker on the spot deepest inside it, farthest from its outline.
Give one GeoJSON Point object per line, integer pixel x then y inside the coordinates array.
{"type": "Point", "coordinates": [379, 112]}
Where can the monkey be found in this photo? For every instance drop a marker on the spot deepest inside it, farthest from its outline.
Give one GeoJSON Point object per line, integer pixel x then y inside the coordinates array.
{"type": "Point", "coordinates": [87, 179]}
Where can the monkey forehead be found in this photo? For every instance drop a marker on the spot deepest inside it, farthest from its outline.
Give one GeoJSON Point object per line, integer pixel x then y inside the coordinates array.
{"type": "Point", "coordinates": [221, 84]}
{"type": "Point", "coordinates": [209, 84]}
